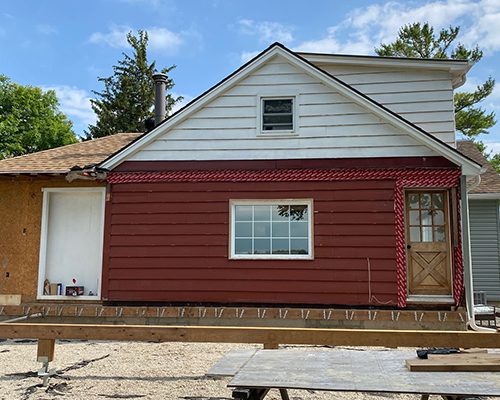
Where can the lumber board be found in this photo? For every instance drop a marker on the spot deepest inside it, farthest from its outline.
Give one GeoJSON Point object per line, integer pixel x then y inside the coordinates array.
{"type": "Point", "coordinates": [479, 362]}
{"type": "Point", "coordinates": [225, 334]}
{"type": "Point", "coordinates": [45, 350]}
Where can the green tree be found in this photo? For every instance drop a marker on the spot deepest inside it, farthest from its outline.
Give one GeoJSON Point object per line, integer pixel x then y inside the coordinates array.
{"type": "Point", "coordinates": [128, 97]}
{"type": "Point", "coordinates": [419, 41]}
{"type": "Point", "coordinates": [30, 120]}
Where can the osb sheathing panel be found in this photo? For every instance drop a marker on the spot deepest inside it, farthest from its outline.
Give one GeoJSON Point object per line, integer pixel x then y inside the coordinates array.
{"type": "Point", "coordinates": [20, 221]}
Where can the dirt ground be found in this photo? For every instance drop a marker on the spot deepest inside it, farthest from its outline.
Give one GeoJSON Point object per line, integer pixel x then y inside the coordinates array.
{"type": "Point", "coordinates": [130, 370]}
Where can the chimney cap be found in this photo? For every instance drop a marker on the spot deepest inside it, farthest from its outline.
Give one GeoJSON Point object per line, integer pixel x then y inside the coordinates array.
{"type": "Point", "coordinates": [159, 77]}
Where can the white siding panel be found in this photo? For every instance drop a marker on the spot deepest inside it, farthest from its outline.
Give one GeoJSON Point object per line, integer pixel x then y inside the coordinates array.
{"type": "Point", "coordinates": [328, 124]}
{"type": "Point", "coordinates": [406, 91]}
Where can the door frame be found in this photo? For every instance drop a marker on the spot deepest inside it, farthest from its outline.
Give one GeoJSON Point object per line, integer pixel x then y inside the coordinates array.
{"type": "Point", "coordinates": [450, 230]}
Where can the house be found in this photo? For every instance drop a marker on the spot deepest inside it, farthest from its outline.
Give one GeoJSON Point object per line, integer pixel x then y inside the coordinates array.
{"type": "Point", "coordinates": [35, 185]}
{"type": "Point", "coordinates": [484, 200]}
{"type": "Point", "coordinates": [299, 179]}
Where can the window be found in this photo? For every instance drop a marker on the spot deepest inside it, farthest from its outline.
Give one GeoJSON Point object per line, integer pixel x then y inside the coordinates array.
{"type": "Point", "coordinates": [271, 229]}
{"type": "Point", "coordinates": [277, 115]}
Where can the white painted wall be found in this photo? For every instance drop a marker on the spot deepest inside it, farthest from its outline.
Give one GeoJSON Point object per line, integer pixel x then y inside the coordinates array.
{"type": "Point", "coordinates": [424, 97]}
{"type": "Point", "coordinates": [72, 232]}
{"type": "Point", "coordinates": [329, 125]}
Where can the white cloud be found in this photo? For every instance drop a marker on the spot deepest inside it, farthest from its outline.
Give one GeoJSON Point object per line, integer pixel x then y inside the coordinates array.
{"type": "Point", "coordinates": [266, 31]}
{"type": "Point", "coordinates": [365, 28]}
{"type": "Point", "coordinates": [75, 103]}
{"type": "Point", "coordinates": [159, 38]}
{"type": "Point", "coordinates": [248, 55]}
{"type": "Point", "coordinates": [46, 29]}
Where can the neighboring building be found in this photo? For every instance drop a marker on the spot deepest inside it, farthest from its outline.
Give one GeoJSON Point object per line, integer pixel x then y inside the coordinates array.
{"type": "Point", "coordinates": [300, 179]}
{"type": "Point", "coordinates": [484, 225]}
{"type": "Point", "coordinates": [31, 186]}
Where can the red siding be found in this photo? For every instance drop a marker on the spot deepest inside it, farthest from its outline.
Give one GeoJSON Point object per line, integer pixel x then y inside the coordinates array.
{"type": "Point", "coordinates": [168, 242]}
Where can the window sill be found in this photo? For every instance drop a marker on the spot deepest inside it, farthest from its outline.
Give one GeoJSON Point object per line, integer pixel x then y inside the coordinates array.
{"type": "Point", "coordinates": [274, 134]}
{"type": "Point", "coordinates": [267, 257]}
{"type": "Point", "coordinates": [67, 298]}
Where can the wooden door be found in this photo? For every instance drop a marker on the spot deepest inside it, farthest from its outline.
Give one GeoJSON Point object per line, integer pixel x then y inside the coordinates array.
{"type": "Point", "coordinates": [428, 243]}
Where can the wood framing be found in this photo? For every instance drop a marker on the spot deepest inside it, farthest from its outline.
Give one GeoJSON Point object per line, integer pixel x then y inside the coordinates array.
{"type": "Point", "coordinates": [218, 334]}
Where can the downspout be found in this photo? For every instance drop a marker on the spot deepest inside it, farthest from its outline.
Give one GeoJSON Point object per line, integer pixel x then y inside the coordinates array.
{"type": "Point", "coordinates": [467, 259]}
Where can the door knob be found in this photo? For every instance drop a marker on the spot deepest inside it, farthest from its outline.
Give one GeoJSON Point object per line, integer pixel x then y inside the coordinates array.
{"type": "Point", "coordinates": [408, 246]}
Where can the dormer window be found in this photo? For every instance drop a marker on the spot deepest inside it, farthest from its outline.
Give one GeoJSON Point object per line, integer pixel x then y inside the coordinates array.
{"type": "Point", "coordinates": [277, 115]}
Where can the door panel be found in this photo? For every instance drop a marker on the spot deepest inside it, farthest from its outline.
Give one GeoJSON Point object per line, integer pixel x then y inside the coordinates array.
{"type": "Point", "coordinates": [428, 243]}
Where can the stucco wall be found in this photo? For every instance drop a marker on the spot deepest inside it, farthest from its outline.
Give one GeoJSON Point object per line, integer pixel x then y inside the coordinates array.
{"type": "Point", "coordinates": [20, 220]}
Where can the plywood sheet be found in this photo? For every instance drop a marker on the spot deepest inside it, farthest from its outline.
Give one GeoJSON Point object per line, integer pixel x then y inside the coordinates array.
{"type": "Point", "coordinates": [231, 363]}
{"type": "Point", "coordinates": [357, 371]}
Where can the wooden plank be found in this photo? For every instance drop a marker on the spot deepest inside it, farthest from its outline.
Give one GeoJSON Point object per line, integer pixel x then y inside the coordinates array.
{"type": "Point", "coordinates": [220, 334]}
{"type": "Point", "coordinates": [45, 350]}
{"type": "Point", "coordinates": [479, 362]}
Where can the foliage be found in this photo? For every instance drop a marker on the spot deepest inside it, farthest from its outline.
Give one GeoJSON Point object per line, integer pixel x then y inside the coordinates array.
{"type": "Point", "coordinates": [30, 120]}
{"type": "Point", "coordinates": [128, 96]}
{"type": "Point", "coordinates": [419, 40]}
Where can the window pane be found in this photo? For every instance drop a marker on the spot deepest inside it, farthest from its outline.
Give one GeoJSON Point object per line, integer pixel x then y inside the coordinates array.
{"type": "Point", "coordinates": [298, 229]}
{"type": "Point", "coordinates": [414, 218]}
{"type": "Point", "coordinates": [243, 229]}
{"type": "Point", "coordinates": [426, 217]}
{"type": "Point", "coordinates": [427, 234]}
{"type": "Point", "coordinates": [425, 200]}
{"type": "Point", "coordinates": [437, 200]}
{"type": "Point", "coordinates": [438, 217]}
{"type": "Point", "coordinates": [262, 246]}
{"type": "Point", "coordinates": [299, 246]}
{"type": "Point", "coordinates": [243, 246]}
{"type": "Point", "coordinates": [285, 119]}
{"type": "Point", "coordinates": [243, 213]}
{"type": "Point", "coordinates": [278, 106]}
{"type": "Point", "coordinates": [262, 229]}
{"type": "Point", "coordinates": [439, 234]}
{"type": "Point", "coordinates": [281, 246]}
{"type": "Point", "coordinates": [262, 213]}
{"type": "Point", "coordinates": [414, 200]}
{"type": "Point", "coordinates": [280, 229]}
{"type": "Point", "coordinates": [415, 234]}
{"type": "Point", "coordinates": [298, 213]}
{"type": "Point", "coordinates": [280, 213]}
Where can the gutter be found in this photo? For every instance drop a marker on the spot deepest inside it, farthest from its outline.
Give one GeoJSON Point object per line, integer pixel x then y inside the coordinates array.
{"type": "Point", "coordinates": [467, 259]}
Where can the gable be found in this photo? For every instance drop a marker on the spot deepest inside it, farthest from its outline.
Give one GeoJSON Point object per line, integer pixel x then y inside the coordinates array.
{"type": "Point", "coordinates": [328, 125]}
{"type": "Point", "coordinates": [208, 131]}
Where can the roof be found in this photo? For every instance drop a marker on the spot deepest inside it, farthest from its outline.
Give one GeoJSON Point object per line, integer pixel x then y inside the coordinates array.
{"type": "Point", "coordinates": [469, 167]}
{"type": "Point", "coordinates": [490, 179]}
{"type": "Point", "coordinates": [61, 159]}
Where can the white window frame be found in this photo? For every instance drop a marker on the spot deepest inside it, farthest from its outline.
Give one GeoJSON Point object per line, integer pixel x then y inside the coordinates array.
{"type": "Point", "coordinates": [259, 202]}
{"type": "Point", "coordinates": [260, 116]}
{"type": "Point", "coordinates": [43, 243]}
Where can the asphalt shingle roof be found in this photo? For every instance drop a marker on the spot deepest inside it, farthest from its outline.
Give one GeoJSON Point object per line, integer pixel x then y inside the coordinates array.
{"type": "Point", "coordinates": [490, 179]}
{"type": "Point", "coordinates": [61, 159]}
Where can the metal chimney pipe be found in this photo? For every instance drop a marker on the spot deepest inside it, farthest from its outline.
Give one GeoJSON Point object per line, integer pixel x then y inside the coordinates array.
{"type": "Point", "coordinates": [160, 83]}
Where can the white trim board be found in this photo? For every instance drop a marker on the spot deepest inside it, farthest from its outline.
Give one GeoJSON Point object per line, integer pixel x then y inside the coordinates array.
{"type": "Point", "coordinates": [469, 167]}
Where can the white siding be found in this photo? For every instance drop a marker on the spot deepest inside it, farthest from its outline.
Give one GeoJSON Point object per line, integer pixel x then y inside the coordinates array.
{"type": "Point", "coordinates": [328, 124]}
{"type": "Point", "coordinates": [421, 96]}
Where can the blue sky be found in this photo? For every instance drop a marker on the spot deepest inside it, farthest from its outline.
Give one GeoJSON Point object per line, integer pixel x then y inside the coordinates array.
{"type": "Point", "coordinates": [65, 45]}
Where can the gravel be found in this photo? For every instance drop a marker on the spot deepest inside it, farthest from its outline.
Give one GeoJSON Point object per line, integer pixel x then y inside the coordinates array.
{"type": "Point", "coordinates": [130, 370]}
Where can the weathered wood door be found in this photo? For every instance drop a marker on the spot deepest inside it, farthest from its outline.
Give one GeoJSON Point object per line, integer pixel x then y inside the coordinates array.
{"type": "Point", "coordinates": [428, 243]}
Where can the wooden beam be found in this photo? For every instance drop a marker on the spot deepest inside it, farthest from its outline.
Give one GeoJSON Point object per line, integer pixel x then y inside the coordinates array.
{"type": "Point", "coordinates": [45, 350]}
{"type": "Point", "coordinates": [223, 334]}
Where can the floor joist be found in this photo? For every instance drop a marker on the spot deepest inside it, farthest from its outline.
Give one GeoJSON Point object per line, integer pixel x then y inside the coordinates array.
{"type": "Point", "coordinates": [219, 334]}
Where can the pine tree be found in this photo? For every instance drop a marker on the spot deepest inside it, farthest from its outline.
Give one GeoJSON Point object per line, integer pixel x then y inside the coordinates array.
{"type": "Point", "coordinates": [128, 96]}
{"type": "Point", "coordinates": [420, 41]}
